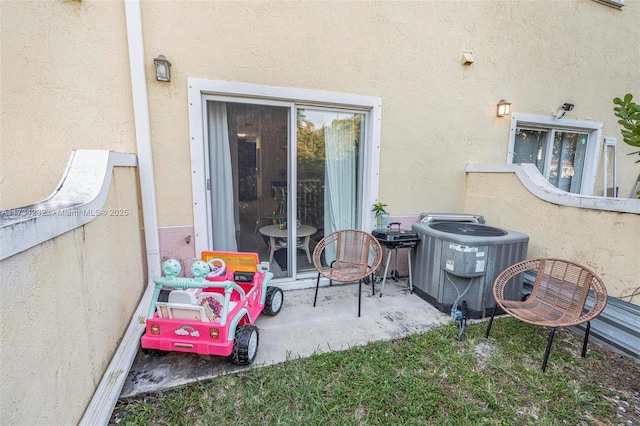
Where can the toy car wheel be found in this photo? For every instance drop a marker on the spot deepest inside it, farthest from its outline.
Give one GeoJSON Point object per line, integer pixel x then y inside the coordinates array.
{"type": "Point", "coordinates": [273, 301]}
{"type": "Point", "coordinates": [245, 345]}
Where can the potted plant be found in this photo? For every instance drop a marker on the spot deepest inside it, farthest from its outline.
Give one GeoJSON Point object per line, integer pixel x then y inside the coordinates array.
{"type": "Point", "coordinates": [382, 217]}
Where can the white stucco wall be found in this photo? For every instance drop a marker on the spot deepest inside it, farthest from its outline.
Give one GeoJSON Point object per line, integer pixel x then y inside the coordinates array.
{"type": "Point", "coordinates": [437, 114]}
{"type": "Point", "coordinates": [65, 305]}
{"type": "Point", "coordinates": [604, 241]}
{"type": "Point", "coordinates": [64, 85]}
{"type": "Point", "coordinates": [69, 81]}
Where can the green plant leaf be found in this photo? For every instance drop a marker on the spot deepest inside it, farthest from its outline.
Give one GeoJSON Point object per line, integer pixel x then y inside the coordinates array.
{"type": "Point", "coordinates": [629, 114]}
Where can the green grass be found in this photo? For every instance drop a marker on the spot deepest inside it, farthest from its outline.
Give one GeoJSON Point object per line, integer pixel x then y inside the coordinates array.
{"type": "Point", "coordinates": [431, 378]}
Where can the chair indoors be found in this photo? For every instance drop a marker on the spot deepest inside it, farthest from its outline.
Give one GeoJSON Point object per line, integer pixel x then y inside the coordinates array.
{"type": "Point", "coordinates": [279, 214]}
{"type": "Point", "coordinates": [558, 299]}
{"type": "Point", "coordinates": [347, 256]}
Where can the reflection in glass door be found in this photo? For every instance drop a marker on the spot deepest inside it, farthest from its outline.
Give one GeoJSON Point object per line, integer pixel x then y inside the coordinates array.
{"type": "Point", "coordinates": [248, 179]}
{"type": "Point", "coordinates": [259, 203]}
{"type": "Point", "coordinates": [328, 173]}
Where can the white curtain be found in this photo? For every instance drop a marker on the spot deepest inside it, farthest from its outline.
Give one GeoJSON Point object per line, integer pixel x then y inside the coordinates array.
{"type": "Point", "coordinates": [340, 179]}
{"type": "Point", "coordinates": [222, 201]}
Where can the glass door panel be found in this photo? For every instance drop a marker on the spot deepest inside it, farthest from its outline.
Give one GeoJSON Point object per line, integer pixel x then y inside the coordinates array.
{"type": "Point", "coordinates": [248, 179]}
{"type": "Point", "coordinates": [258, 203]}
{"type": "Point", "coordinates": [328, 175]}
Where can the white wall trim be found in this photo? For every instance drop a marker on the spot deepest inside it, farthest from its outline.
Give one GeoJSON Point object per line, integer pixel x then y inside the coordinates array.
{"type": "Point", "coordinates": [535, 183]}
{"type": "Point", "coordinates": [201, 89]}
{"type": "Point", "coordinates": [78, 199]}
{"type": "Point", "coordinates": [106, 395]}
{"type": "Point", "coordinates": [140, 99]}
{"type": "Point", "coordinates": [286, 94]}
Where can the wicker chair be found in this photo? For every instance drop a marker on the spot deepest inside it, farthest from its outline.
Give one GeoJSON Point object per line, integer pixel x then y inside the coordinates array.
{"type": "Point", "coordinates": [558, 297]}
{"type": "Point", "coordinates": [357, 255]}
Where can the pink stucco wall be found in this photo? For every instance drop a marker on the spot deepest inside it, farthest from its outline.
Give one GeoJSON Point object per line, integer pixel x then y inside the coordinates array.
{"type": "Point", "coordinates": [176, 242]}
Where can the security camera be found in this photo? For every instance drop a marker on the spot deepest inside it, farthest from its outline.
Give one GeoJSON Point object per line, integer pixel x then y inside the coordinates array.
{"type": "Point", "coordinates": [563, 110]}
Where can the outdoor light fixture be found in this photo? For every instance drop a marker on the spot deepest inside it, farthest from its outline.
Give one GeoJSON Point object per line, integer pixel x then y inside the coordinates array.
{"type": "Point", "coordinates": [504, 108]}
{"type": "Point", "coordinates": [563, 110]}
{"type": "Point", "coordinates": [163, 68]}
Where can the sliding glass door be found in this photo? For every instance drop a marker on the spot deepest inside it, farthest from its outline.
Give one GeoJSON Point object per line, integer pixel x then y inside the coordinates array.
{"type": "Point", "coordinates": [274, 197]}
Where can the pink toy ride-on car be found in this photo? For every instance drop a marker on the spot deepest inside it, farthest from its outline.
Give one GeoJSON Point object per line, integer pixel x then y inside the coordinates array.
{"type": "Point", "coordinates": [214, 312]}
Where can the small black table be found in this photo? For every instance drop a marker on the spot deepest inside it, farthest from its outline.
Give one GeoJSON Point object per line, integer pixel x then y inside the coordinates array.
{"type": "Point", "coordinates": [393, 239]}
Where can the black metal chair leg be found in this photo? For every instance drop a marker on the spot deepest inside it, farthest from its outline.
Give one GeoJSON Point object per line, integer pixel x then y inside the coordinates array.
{"type": "Point", "coordinates": [546, 352]}
{"type": "Point", "coordinates": [586, 339]}
{"type": "Point", "coordinates": [316, 296]}
{"type": "Point", "coordinates": [359, 294]}
{"type": "Point", "coordinates": [330, 280]}
{"type": "Point", "coordinates": [493, 314]}
{"type": "Point", "coordinates": [373, 284]}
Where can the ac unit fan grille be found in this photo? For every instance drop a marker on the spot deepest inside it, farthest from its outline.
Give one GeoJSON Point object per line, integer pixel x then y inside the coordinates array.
{"type": "Point", "coordinates": [470, 229]}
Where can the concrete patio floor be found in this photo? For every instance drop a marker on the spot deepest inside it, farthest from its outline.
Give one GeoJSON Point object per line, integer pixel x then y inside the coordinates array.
{"type": "Point", "coordinates": [300, 330]}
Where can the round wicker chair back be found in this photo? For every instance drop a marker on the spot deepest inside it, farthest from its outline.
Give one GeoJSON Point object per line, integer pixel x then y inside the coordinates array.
{"type": "Point", "coordinates": [347, 256]}
{"type": "Point", "coordinates": [558, 299]}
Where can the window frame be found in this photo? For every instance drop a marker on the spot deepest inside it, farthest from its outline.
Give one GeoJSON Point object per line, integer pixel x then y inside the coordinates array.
{"type": "Point", "coordinates": [202, 90]}
{"type": "Point", "coordinates": [552, 125]}
{"type": "Point", "coordinates": [610, 143]}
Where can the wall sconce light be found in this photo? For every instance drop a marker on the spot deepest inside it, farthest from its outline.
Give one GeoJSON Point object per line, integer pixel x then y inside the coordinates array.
{"type": "Point", "coordinates": [563, 110]}
{"type": "Point", "coordinates": [163, 68]}
{"type": "Point", "coordinates": [504, 108]}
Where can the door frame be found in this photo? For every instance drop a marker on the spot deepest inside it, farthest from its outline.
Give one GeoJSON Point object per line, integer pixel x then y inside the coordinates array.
{"type": "Point", "coordinates": [202, 90]}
